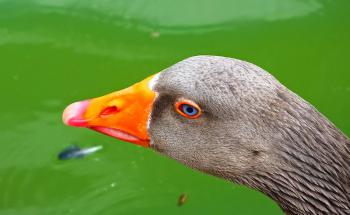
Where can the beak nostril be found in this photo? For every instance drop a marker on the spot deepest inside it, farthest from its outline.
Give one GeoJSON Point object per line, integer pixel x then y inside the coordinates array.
{"type": "Point", "coordinates": [109, 111]}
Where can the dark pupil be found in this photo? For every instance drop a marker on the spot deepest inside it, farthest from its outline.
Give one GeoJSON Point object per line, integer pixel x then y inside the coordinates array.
{"type": "Point", "coordinates": [189, 110]}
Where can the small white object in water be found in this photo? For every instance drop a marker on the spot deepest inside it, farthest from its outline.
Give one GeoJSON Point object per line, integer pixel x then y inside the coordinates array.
{"type": "Point", "coordinates": [90, 150]}
{"type": "Point", "coordinates": [155, 34]}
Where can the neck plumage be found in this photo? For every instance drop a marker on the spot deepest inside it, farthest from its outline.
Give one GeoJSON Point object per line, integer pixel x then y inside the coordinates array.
{"type": "Point", "coordinates": [302, 192]}
{"type": "Point", "coordinates": [314, 175]}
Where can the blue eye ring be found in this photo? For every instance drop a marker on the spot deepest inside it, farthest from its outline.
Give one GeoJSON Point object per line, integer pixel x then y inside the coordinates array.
{"type": "Point", "coordinates": [188, 109]}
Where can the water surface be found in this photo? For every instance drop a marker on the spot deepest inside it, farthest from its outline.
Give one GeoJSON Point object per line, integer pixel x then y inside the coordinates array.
{"type": "Point", "coordinates": [56, 52]}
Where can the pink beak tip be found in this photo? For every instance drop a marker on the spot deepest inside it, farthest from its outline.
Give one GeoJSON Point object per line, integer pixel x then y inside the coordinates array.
{"type": "Point", "coordinates": [73, 114]}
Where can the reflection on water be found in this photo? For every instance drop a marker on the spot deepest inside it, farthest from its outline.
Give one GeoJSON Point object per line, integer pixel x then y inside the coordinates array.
{"type": "Point", "coordinates": [178, 14]}
{"type": "Point", "coordinates": [56, 52]}
{"type": "Point", "coordinates": [151, 16]}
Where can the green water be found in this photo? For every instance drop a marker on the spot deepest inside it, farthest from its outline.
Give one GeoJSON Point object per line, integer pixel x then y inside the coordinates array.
{"type": "Point", "coordinates": [54, 52]}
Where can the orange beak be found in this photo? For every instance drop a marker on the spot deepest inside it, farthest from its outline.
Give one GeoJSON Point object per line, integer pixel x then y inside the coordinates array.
{"type": "Point", "coordinates": [123, 114]}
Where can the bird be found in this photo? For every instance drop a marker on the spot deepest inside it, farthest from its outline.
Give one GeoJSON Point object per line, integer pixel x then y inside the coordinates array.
{"type": "Point", "coordinates": [231, 119]}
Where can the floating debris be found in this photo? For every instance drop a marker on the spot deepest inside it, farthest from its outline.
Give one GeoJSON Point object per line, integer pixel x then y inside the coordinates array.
{"type": "Point", "coordinates": [77, 152]}
{"type": "Point", "coordinates": [155, 34]}
{"type": "Point", "coordinates": [182, 199]}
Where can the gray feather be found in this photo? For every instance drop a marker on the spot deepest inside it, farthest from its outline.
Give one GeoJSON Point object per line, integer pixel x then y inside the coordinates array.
{"type": "Point", "coordinates": [253, 131]}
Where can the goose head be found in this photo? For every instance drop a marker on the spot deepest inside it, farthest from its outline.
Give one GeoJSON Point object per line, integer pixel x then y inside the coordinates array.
{"type": "Point", "coordinates": [231, 119]}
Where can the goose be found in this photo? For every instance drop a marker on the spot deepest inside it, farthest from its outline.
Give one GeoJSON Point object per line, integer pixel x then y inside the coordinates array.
{"type": "Point", "coordinates": [231, 119]}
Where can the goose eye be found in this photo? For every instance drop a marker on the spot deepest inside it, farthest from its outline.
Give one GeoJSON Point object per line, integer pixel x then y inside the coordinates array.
{"type": "Point", "coordinates": [188, 109]}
